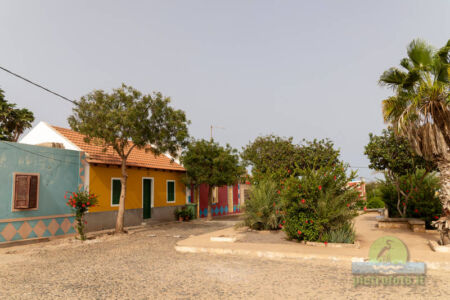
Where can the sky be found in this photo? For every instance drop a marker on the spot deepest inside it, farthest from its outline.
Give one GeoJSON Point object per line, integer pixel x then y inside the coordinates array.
{"type": "Point", "coordinates": [306, 69]}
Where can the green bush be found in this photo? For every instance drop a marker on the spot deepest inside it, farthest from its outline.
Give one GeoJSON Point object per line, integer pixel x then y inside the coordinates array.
{"type": "Point", "coordinates": [375, 202]}
{"type": "Point", "coordinates": [184, 213]}
{"type": "Point", "coordinates": [423, 203]}
{"type": "Point", "coordinates": [262, 209]}
{"type": "Point", "coordinates": [318, 202]}
{"type": "Point", "coordinates": [344, 234]}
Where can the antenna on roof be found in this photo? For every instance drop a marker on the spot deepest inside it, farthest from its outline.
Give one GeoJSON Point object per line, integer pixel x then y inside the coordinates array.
{"type": "Point", "coordinates": [218, 127]}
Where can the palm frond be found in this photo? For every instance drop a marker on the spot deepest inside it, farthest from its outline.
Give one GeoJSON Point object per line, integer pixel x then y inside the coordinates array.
{"type": "Point", "coordinates": [420, 53]}
{"type": "Point", "coordinates": [393, 77]}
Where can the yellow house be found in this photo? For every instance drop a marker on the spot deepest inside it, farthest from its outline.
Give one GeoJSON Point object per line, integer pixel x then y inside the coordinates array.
{"type": "Point", "coordinates": [154, 185]}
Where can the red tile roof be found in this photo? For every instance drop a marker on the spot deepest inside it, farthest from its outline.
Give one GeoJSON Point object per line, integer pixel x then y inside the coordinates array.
{"type": "Point", "coordinates": [137, 158]}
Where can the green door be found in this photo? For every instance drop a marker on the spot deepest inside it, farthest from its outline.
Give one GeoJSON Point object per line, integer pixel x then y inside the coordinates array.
{"type": "Point", "coordinates": [147, 198]}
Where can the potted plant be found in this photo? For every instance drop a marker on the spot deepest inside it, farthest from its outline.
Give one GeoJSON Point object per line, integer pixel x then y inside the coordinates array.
{"type": "Point", "coordinates": [178, 212]}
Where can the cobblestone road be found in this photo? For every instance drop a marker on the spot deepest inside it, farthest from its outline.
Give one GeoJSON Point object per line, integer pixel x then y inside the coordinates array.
{"type": "Point", "coordinates": [144, 265]}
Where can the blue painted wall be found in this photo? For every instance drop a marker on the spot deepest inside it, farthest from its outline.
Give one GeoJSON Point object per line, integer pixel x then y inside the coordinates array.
{"type": "Point", "coordinates": [59, 172]}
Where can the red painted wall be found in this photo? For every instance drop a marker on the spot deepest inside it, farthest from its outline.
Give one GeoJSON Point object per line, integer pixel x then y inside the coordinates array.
{"type": "Point", "coordinates": [221, 208]}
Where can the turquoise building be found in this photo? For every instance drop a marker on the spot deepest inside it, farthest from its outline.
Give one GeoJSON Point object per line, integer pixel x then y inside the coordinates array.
{"type": "Point", "coordinates": [33, 181]}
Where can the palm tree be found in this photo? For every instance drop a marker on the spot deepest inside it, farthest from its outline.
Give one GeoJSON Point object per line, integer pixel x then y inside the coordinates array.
{"type": "Point", "coordinates": [420, 110]}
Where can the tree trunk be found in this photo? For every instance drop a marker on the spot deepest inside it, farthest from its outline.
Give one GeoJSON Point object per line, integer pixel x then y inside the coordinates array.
{"type": "Point", "coordinates": [443, 224]}
{"type": "Point", "coordinates": [444, 194]}
{"type": "Point", "coordinates": [121, 212]}
{"type": "Point", "coordinates": [210, 196]}
{"type": "Point", "coordinates": [197, 199]}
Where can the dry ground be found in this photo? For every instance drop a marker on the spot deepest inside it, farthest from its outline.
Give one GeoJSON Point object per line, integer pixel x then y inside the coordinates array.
{"type": "Point", "coordinates": [144, 265]}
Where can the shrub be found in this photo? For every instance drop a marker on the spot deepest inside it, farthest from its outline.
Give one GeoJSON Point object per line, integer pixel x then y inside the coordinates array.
{"type": "Point", "coordinates": [318, 202]}
{"type": "Point", "coordinates": [375, 202]}
{"type": "Point", "coordinates": [262, 209]}
{"type": "Point", "coordinates": [80, 203]}
{"type": "Point", "coordinates": [344, 234]}
{"type": "Point", "coordinates": [184, 213]}
{"type": "Point", "coordinates": [423, 203]}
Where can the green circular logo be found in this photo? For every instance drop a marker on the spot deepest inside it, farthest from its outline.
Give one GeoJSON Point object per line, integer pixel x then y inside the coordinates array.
{"type": "Point", "coordinates": [388, 249]}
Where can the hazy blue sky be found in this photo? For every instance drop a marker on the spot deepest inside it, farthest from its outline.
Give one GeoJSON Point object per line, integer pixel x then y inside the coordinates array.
{"type": "Point", "coordinates": [306, 69]}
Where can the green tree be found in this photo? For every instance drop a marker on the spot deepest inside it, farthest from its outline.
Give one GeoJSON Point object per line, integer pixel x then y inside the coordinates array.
{"type": "Point", "coordinates": [207, 162]}
{"type": "Point", "coordinates": [125, 119]}
{"type": "Point", "coordinates": [420, 109]}
{"type": "Point", "coordinates": [278, 156]}
{"type": "Point", "coordinates": [13, 121]}
{"type": "Point", "coordinates": [393, 155]}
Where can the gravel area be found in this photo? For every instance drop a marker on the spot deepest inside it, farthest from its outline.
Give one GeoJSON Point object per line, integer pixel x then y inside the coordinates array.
{"type": "Point", "coordinates": [144, 265]}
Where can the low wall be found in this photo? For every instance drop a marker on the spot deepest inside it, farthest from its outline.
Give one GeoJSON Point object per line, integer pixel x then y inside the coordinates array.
{"type": "Point", "coordinates": [415, 225]}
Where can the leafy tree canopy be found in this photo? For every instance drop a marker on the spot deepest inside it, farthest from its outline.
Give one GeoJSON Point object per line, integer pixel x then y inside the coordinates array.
{"type": "Point", "coordinates": [273, 154]}
{"type": "Point", "coordinates": [127, 116]}
{"type": "Point", "coordinates": [207, 162]}
{"type": "Point", "coordinates": [13, 121]}
{"type": "Point", "coordinates": [393, 153]}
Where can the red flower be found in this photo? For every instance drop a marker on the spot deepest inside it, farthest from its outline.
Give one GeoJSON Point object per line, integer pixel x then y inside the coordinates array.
{"type": "Point", "coordinates": [326, 243]}
{"type": "Point", "coordinates": [404, 204]}
{"type": "Point", "coordinates": [303, 201]}
{"type": "Point", "coordinates": [436, 217]}
{"type": "Point", "coordinates": [278, 192]}
{"type": "Point", "coordinates": [65, 196]}
{"type": "Point", "coordinates": [416, 210]}
{"type": "Point", "coordinates": [299, 232]}
{"type": "Point", "coordinates": [83, 205]}
{"type": "Point", "coordinates": [407, 191]}
{"type": "Point", "coordinates": [274, 204]}
{"type": "Point", "coordinates": [280, 226]}
{"type": "Point", "coordinates": [320, 187]}
{"type": "Point", "coordinates": [334, 177]}
{"type": "Point", "coordinates": [289, 171]}
{"type": "Point", "coordinates": [348, 205]}
{"type": "Point", "coordinates": [284, 222]}
{"type": "Point", "coordinates": [88, 203]}
{"type": "Point", "coordinates": [311, 221]}
{"type": "Point", "coordinates": [85, 222]}
{"type": "Point", "coordinates": [365, 208]}
{"type": "Point", "coordinates": [247, 182]}
{"type": "Point", "coordinates": [306, 221]}
{"type": "Point", "coordinates": [276, 212]}
{"type": "Point", "coordinates": [73, 206]}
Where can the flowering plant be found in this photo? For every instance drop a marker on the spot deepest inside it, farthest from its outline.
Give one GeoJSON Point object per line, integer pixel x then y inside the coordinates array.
{"type": "Point", "coordinates": [80, 203]}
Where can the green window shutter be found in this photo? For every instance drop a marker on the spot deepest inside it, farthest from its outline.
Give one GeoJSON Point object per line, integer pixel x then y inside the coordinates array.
{"type": "Point", "coordinates": [170, 191]}
{"type": "Point", "coordinates": [116, 189]}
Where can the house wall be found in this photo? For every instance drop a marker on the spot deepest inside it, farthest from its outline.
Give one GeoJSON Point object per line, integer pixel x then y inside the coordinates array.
{"type": "Point", "coordinates": [103, 215]}
{"type": "Point", "coordinates": [44, 133]}
{"type": "Point", "coordinates": [222, 207]}
{"type": "Point", "coordinates": [59, 170]}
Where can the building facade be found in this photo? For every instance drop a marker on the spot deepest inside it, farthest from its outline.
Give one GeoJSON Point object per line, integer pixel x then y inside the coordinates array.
{"type": "Point", "coordinates": [33, 181]}
{"type": "Point", "coordinates": [154, 184]}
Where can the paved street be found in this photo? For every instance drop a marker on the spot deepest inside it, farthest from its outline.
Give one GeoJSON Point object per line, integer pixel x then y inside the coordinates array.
{"type": "Point", "coordinates": [144, 265]}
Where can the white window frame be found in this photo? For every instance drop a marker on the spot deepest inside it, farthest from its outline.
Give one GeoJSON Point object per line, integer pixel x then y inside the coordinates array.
{"type": "Point", "coordinates": [174, 191]}
{"type": "Point", "coordinates": [111, 188]}
{"type": "Point", "coordinates": [188, 194]}
{"type": "Point", "coordinates": [152, 202]}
